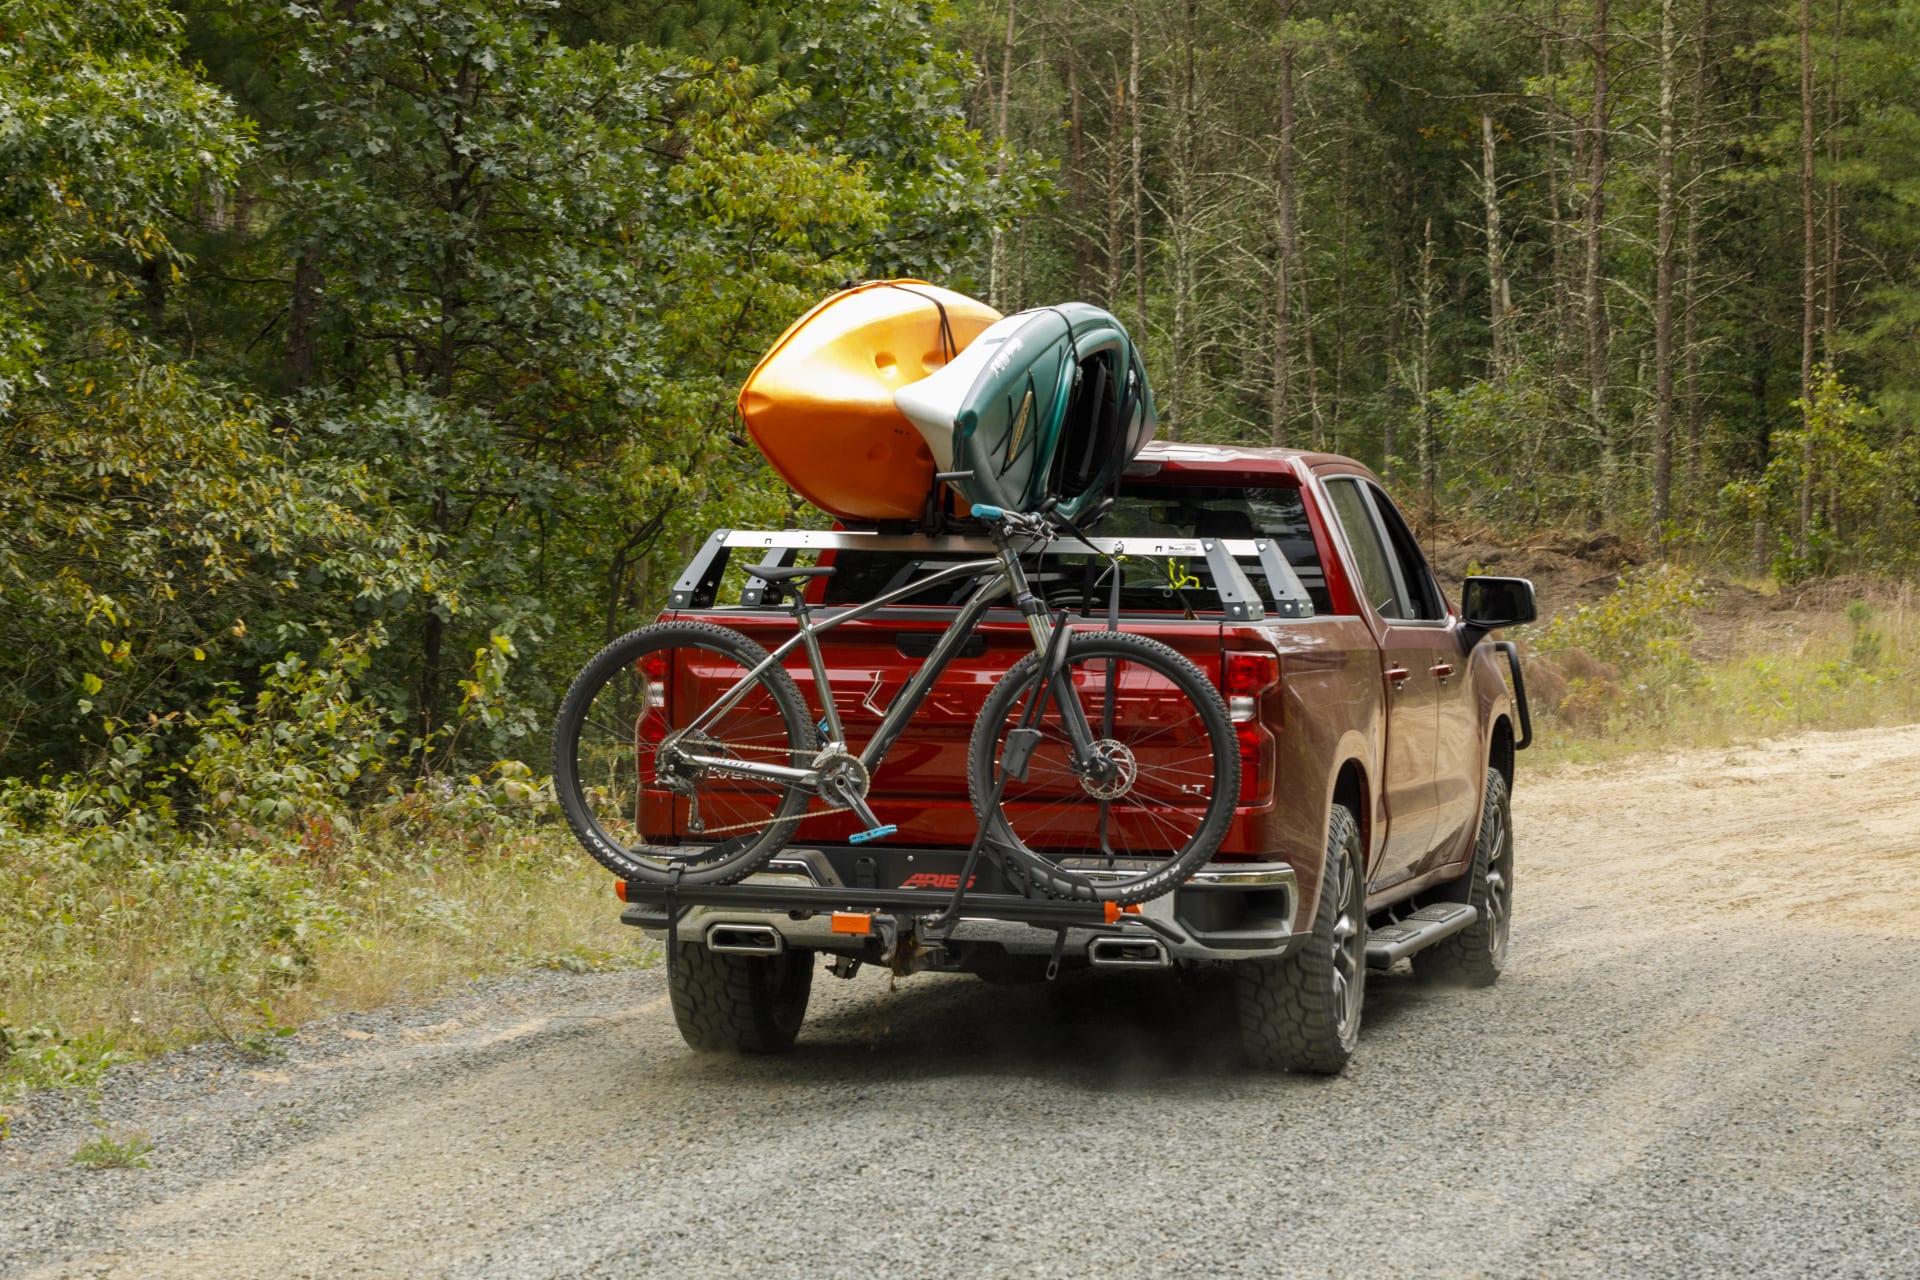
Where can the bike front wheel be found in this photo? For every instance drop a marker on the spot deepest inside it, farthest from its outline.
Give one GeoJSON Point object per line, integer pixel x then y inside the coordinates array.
{"type": "Point", "coordinates": [1150, 804]}
{"type": "Point", "coordinates": [641, 756]}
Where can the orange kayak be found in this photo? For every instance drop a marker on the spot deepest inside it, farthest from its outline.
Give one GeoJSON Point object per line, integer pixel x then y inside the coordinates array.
{"type": "Point", "coordinates": [820, 403]}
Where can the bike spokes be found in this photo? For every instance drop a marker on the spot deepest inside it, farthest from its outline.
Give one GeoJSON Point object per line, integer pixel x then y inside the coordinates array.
{"type": "Point", "coordinates": [1147, 789]}
{"type": "Point", "coordinates": [656, 778]}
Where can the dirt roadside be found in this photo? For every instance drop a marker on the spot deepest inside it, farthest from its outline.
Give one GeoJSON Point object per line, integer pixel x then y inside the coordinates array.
{"type": "Point", "coordinates": [1705, 1061]}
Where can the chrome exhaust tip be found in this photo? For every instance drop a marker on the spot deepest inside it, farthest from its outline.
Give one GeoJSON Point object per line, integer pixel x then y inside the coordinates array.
{"type": "Point", "coordinates": [745, 939]}
{"type": "Point", "coordinates": [1128, 953]}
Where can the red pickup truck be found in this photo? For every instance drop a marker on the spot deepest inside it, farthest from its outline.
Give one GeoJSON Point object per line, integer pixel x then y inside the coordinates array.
{"type": "Point", "coordinates": [1377, 733]}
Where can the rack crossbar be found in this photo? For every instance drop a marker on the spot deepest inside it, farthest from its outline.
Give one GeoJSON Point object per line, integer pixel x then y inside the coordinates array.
{"type": "Point", "coordinates": [700, 581]}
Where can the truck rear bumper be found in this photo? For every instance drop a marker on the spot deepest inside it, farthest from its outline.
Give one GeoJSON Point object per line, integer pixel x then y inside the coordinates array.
{"type": "Point", "coordinates": [1225, 911]}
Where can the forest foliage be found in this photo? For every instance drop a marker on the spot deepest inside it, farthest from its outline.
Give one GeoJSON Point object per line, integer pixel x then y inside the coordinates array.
{"type": "Point", "coordinates": [410, 330]}
{"type": "Point", "coordinates": [1546, 261]}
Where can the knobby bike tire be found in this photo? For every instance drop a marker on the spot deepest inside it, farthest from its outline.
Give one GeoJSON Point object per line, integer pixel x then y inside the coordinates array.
{"type": "Point", "coordinates": [624, 848]}
{"type": "Point", "coordinates": [1062, 868]}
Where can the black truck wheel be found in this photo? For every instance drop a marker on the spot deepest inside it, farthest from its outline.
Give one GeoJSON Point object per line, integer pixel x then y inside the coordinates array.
{"type": "Point", "coordinates": [1301, 1012]}
{"type": "Point", "coordinates": [1475, 956]}
{"type": "Point", "coordinates": [739, 1004]}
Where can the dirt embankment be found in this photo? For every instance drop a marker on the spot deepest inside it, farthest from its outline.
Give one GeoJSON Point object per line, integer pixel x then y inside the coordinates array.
{"type": "Point", "coordinates": [1571, 569]}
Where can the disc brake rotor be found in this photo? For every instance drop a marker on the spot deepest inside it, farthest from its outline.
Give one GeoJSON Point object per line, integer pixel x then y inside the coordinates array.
{"type": "Point", "coordinates": [1117, 779]}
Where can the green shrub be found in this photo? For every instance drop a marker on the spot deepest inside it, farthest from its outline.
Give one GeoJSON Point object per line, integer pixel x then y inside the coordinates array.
{"type": "Point", "coordinates": [112, 1149]}
{"type": "Point", "coordinates": [43, 1058]}
{"type": "Point", "coordinates": [290, 759]}
{"type": "Point", "coordinates": [1642, 625]}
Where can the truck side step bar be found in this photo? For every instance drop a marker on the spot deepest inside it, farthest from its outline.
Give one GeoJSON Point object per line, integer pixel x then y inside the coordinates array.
{"type": "Point", "coordinates": [1417, 932]}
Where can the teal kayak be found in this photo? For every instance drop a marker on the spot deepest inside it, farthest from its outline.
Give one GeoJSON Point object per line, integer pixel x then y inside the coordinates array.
{"type": "Point", "coordinates": [1048, 403]}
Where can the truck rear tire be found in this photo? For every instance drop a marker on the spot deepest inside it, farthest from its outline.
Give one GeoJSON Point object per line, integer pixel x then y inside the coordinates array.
{"type": "Point", "coordinates": [1475, 956]}
{"type": "Point", "coordinates": [739, 1004]}
{"type": "Point", "coordinates": [1301, 1012]}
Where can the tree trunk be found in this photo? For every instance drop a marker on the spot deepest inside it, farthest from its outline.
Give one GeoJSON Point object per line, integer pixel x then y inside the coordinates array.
{"type": "Point", "coordinates": [1691, 254]}
{"type": "Point", "coordinates": [1139, 185]}
{"type": "Point", "coordinates": [1115, 271]}
{"type": "Point", "coordinates": [1185, 181]}
{"type": "Point", "coordinates": [1498, 304]}
{"type": "Point", "coordinates": [1809, 298]}
{"type": "Point", "coordinates": [1314, 415]}
{"type": "Point", "coordinates": [1595, 280]}
{"type": "Point", "coordinates": [296, 364]}
{"type": "Point", "coordinates": [1340, 300]}
{"type": "Point", "coordinates": [1285, 254]}
{"type": "Point", "coordinates": [1076, 158]}
{"type": "Point", "coordinates": [1663, 285]}
{"type": "Point", "coordinates": [1830, 310]}
{"type": "Point", "coordinates": [997, 261]}
{"type": "Point", "coordinates": [1561, 337]}
{"type": "Point", "coordinates": [1278, 410]}
{"type": "Point", "coordinates": [1390, 428]}
{"type": "Point", "coordinates": [1423, 377]}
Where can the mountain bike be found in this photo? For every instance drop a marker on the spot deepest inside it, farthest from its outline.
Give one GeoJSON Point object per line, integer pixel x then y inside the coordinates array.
{"type": "Point", "coordinates": [1102, 766]}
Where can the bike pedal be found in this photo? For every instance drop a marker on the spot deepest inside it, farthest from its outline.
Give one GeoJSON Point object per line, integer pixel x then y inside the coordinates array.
{"type": "Point", "coordinates": [877, 833]}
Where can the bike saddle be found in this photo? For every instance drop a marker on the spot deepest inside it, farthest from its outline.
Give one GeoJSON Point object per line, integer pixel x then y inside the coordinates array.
{"type": "Point", "coordinates": [786, 573]}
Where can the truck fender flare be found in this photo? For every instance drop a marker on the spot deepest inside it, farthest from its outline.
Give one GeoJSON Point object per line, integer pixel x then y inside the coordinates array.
{"type": "Point", "coordinates": [1351, 771]}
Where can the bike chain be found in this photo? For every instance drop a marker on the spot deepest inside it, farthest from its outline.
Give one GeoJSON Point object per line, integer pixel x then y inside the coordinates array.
{"type": "Point", "coordinates": [758, 825]}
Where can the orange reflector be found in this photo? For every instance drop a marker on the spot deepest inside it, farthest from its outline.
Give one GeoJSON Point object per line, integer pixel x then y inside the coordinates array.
{"type": "Point", "coordinates": [620, 890]}
{"type": "Point", "coordinates": [1114, 910]}
{"type": "Point", "coordinates": [852, 922]}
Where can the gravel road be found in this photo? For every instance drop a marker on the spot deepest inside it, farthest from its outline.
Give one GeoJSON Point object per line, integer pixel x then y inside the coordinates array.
{"type": "Point", "coordinates": [1705, 1061]}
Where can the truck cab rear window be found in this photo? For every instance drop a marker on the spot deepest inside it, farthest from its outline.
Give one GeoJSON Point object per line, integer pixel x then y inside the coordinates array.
{"type": "Point", "coordinates": [1076, 582]}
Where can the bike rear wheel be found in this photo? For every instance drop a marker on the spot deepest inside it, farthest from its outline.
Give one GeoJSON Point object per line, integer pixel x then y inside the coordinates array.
{"type": "Point", "coordinates": [622, 745]}
{"type": "Point", "coordinates": [1139, 825]}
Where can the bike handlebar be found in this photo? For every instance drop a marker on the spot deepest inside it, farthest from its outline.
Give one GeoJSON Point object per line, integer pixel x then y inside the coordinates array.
{"type": "Point", "coordinates": [1024, 523]}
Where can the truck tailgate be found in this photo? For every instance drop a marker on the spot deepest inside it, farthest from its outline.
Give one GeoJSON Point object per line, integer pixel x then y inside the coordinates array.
{"type": "Point", "coordinates": [922, 785]}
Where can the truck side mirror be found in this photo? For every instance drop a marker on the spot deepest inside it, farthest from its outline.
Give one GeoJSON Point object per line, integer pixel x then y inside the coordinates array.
{"type": "Point", "coordinates": [1488, 604]}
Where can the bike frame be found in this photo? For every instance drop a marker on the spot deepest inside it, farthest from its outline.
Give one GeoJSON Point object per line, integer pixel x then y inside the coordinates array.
{"type": "Point", "coordinates": [1007, 578]}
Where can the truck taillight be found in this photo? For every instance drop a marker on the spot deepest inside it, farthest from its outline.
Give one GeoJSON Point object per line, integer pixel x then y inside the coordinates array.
{"type": "Point", "coordinates": [653, 719]}
{"type": "Point", "coordinates": [1245, 677]}
{"type": "Point", "coordinates": [1256, 763]}
{"type": "Point", "coordinates": [653, 808]}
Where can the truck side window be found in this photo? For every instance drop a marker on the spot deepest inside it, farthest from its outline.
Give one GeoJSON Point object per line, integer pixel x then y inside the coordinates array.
{"type": "Point", "coordinates": [1377, 576]}
{"type": "Point", "coordinates": [1422, 593]}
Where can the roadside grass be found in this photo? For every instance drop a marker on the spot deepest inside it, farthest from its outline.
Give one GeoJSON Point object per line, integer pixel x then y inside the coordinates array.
{"type": "Point", "coordinates": [110, 957]}
{"type": "Point", "coordinates": [1646, 680]}
{"type": "Point", "coordinates": [112, 1149]}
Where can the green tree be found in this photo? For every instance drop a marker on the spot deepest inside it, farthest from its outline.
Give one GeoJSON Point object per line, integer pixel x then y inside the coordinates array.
{"type": "Point", "coordinates": [150, 516]}
{"type": "Point", "coordinates": [521, 277]}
